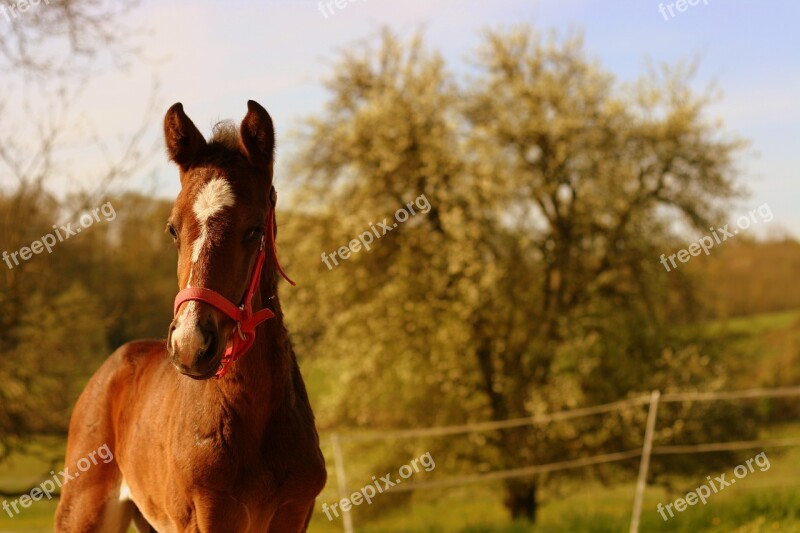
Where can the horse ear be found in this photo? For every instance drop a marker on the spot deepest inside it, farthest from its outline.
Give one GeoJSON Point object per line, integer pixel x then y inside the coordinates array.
{"type": "Point", "coordinates": [258, 136]}
{"type": "Point", "coordinates": [184, 141]}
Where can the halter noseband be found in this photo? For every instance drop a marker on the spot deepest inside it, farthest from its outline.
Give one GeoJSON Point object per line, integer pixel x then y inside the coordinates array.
{"type": "Point", "coordinates": [246, 321]}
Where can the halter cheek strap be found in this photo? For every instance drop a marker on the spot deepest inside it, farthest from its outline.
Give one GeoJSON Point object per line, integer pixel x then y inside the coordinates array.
{"type": "Point", "coordinates": [246, 321]}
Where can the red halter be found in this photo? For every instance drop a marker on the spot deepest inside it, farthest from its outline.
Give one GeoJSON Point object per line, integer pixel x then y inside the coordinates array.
{"type": "Point", "coordinates": [246, 320]}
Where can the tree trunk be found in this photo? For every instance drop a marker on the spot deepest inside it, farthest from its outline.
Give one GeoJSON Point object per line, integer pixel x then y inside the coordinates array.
{"type": "Point", "coordinates": [521, 499]}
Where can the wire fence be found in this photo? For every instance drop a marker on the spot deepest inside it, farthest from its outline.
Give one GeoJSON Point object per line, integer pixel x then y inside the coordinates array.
{"type": "Point", "coordinates": [648, 449]}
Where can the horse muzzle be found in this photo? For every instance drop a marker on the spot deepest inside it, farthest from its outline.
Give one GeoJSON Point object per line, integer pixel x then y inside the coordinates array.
{"type": "Point", "coordinates": [195, 345]}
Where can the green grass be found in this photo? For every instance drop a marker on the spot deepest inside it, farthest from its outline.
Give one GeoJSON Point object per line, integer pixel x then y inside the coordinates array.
{"type": "Point", "coordinates": [763, 350]}
{"type": "Point", "coordinates": [22, 471]}
{"type": "Point", "coordinates": [755, 325]}
{"type": "Point", "coordinates": [762, 501]}
{"type": "Point", "coordinates": [37, 518]}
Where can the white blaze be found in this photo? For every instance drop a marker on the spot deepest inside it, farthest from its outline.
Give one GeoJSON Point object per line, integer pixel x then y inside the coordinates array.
{"type": "Point", "coordinates": [215, 196]}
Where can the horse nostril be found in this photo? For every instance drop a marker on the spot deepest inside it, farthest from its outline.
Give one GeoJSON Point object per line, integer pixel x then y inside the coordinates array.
{"type": "Point", "coordinates": [210, 344]}
{"type": "Point", "coordinates": [170, 342]}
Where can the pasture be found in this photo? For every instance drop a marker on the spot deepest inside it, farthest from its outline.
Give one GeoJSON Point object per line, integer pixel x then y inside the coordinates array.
{"type": "Point", "coordinates": [772, 497]}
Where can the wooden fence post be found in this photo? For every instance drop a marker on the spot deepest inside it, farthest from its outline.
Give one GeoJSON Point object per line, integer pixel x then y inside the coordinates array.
{"type": "Point", "coordinates": [341, 480]}
{"type": "Point", "coordinates": [644, 465]}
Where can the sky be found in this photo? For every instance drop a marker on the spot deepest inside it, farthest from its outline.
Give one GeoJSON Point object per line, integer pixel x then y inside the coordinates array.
{"type": "Point", "coordinates": [214, 56]}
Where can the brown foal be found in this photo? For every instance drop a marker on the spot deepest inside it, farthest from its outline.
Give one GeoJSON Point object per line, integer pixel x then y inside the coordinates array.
{"type": "Point", "coordinates": [195, 452]}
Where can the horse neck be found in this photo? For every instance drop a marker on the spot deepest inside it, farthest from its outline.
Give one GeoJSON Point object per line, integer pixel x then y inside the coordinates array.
{"type": "Point", "coordinates": [258, 383]}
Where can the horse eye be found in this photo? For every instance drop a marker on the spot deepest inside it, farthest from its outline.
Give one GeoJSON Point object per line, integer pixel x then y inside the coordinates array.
{"type": "Point", "coordinates": [172, 231]}
{"type": "Point", "coordinates": [254, 234]}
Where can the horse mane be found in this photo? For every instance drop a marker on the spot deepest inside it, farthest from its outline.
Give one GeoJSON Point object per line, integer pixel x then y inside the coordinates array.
{"type": "Point", "coordinates": [225, 133]}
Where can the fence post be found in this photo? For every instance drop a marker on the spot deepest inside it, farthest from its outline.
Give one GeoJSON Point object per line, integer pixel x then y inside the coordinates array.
{"type": "Point", "coordinates": [341, 480]}
{"type": "Point", "coordinates": [644, 465]}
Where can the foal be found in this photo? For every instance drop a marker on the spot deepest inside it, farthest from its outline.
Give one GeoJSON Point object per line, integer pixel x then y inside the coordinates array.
{"type": "Point", "coordinates": [238, 452]}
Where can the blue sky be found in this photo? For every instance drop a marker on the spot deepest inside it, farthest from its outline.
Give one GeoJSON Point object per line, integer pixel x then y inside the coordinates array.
{"type": "Point", "coordinates": [213, 57]}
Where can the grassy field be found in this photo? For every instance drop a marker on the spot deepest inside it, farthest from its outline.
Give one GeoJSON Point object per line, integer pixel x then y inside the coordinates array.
{"type": "Point", "coordinates": [762, 501]}
{"type": "Point", "coordinates": [766, 348]}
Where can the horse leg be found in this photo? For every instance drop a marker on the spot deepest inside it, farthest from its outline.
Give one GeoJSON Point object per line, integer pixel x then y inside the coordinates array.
{"type": "Point", "coordinates": [93, 506]}
{"type": "Point", "coordinates": [142, 526]}
{"type": "Point", "coordinates": [90, 495]}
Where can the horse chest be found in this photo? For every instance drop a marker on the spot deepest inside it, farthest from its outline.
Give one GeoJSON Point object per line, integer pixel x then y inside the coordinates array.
{"type": "Point", "coordinates": [215, 482]}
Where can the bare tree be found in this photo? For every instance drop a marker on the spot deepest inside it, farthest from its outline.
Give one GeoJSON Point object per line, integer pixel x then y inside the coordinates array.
{"type": "Point", "coordinates": [48, 52]}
